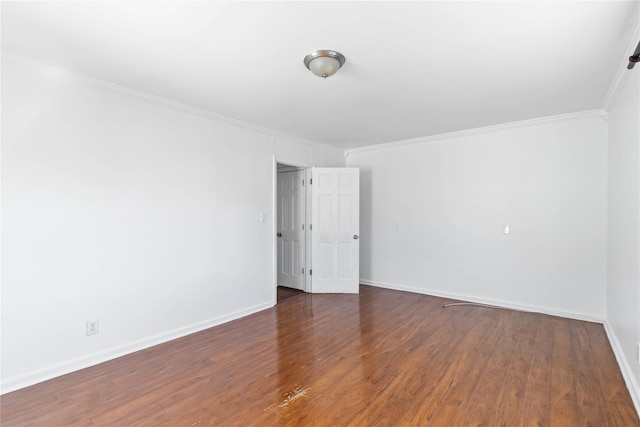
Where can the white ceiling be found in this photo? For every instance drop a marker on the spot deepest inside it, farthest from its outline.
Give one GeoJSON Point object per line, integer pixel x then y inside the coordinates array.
{"type": "Point", "coordinates": [413, 69]}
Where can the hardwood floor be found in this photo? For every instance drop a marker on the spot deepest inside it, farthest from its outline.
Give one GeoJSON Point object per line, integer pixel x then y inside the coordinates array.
{"type": "Point", "coordinates": [284, 293]}
{"type": "Point", "coordinates": [381, 358]}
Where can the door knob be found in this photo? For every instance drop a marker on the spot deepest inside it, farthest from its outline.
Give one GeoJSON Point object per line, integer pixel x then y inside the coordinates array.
{"type": "Point", "coordinates": [355, 236]}
{"type": "Point", "coordinates": [279, 234]}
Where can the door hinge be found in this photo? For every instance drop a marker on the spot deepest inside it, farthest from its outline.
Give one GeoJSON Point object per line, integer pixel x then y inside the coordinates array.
{"type": "Point", "coordinates": [310, 226]}
{"type": "Point", "coordinates": [303, 226]}
{"type": "Point", "coordinates": [303, 182]}
{"type": "Point", "coordinates": [310, 272]}
{"type": "Point", "coordinates": [311, 181]}
{"type": "Point", "coordinates": [303, 271]}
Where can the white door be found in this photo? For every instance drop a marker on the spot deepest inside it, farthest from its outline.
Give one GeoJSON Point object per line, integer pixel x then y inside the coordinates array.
{"type": "Point", "coordinates": [335, 229]}
{"type": "Point", "coordinates": [291, 238]}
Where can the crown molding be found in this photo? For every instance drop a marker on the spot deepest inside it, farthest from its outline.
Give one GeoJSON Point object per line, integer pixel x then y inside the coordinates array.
{"type": "Point", "coordinates": [478, 131]}
{"type": "Point", "coordinates": [166, 102]}
{"type": "Point", "coordinates": [622, 75]}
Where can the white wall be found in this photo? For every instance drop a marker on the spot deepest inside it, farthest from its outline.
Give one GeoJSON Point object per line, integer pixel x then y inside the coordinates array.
{"type": "Point", "coordinates": [137, 213]}
{"type": "Point", "coordinates": [452, 197]}
{"type": "Point", "coordinates": [623, 288]}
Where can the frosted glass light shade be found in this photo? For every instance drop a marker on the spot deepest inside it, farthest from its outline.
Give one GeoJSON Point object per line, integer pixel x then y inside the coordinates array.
{"type": "Point", "coordinates": [324, 66]}
{"type": "Point", "coordinates": [324, 63]}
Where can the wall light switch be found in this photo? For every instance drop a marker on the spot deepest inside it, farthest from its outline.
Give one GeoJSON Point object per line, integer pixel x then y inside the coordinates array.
{"type": "Point", "coordinates": [396, 226]}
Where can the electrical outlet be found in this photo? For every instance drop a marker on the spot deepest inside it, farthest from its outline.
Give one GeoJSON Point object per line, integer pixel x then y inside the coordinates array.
{"type": "Point", "coordinates": [92, 327]}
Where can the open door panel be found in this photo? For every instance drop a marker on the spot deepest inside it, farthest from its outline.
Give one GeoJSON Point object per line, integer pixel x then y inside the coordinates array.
{"type": "Point", "coordinates": [335, 230]}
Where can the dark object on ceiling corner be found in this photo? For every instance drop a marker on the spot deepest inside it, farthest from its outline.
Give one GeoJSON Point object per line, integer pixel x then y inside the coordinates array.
{"type": "Point", "coordinates": [634, 58]}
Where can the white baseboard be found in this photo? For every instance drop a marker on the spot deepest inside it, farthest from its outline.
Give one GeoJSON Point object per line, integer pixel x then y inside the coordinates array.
{"type": "Point", "coordinates": [625, 367]}
{"type": "Point", "coordinates": [53, 371]}
{"type": "Point", "coordinates": [498, 303]}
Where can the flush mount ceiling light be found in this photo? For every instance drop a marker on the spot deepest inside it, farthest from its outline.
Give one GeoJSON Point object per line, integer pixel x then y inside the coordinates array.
{"type": "Point", "coordinates": [324, 63]}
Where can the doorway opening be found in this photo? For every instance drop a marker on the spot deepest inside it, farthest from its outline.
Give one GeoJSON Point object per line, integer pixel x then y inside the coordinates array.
{"type": "Point", "coordinates": [291, 229]}
{"type": "Point", "coordinates": [328, 247]}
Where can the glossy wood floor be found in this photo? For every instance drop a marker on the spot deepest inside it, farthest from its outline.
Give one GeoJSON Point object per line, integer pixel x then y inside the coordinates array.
{"type": "Point", "coordinates": [381, 358]}
{"type": "Point", "coordinates": [284, 293]}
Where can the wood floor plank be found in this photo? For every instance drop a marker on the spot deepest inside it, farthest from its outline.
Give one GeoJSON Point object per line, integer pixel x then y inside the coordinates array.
{"type": "Point", "coordinates": [563, 410]}
{"type": "Point", "coordinates": [610, 378]}
{"type": "Point", "coordinates": [382, 357]}
{"type": "Point", "coordinates": [482, 405]}
{"type": "Point", "coordinates": [450, 366]}
{"type": "Point", "coordinates": [537, 394]}
{"type": "Point", "coordinates": [472, 365]}
{"type": "Point", "coordinates": [591, 405]}
{"type": "Point", "coordinates": [511, 399]}
{"type": "Point", "coordinates": [563, 401]}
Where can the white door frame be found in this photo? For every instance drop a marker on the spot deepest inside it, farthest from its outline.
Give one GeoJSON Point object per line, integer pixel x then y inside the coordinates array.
{"type": "Point", "coordinates": [274, 223]}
